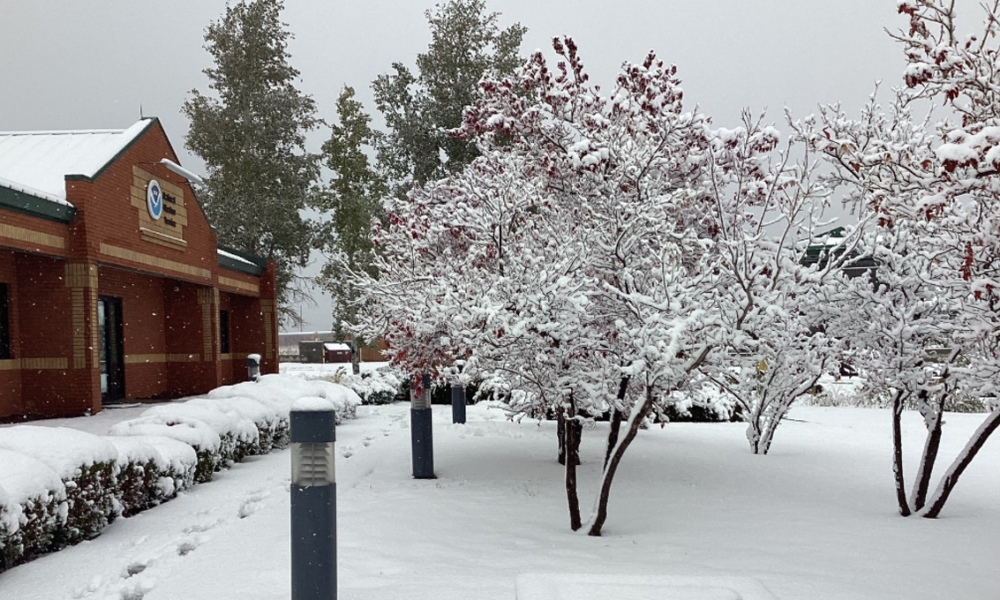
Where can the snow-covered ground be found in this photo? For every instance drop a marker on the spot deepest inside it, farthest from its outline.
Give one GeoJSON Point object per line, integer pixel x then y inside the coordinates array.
{"type": "Point", "coordinates": [814, 520]}
{"type": "Point", "coordinates": [325, 370]}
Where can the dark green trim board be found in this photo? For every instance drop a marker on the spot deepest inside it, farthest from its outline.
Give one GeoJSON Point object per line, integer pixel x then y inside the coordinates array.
{"type": "Point", "coordinates": [149, 123]}
{"type": "Point", "coordinates": [34, 206]}
{"type": "Point", "coordinates": [257, 268]}
{"type": "Point", "coordinates": [235, 265]}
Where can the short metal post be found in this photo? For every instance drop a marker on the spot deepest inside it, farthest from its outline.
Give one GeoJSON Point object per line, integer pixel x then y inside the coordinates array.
{"type": "Point", "coordinates": [457, 394]}
{"type": "Point", "coordinates": [314, 505]}
{"type": "Point", "coordinates": [457, 404]}
{"type": "Point", "coordinates": [422, 432]}
{"type": "Point", "coordinates": [253, 367]}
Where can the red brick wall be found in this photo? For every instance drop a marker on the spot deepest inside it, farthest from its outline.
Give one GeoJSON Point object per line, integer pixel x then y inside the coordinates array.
{"type": "Point", "coordinates": [10, 379]}
{"type": "Point", "coordinates": [144, 319]}
{"type": "Point", "coordinates": [46, 331]}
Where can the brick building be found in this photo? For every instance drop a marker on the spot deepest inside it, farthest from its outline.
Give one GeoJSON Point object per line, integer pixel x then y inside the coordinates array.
{"type": "Point", "coordinates": [112, 286]}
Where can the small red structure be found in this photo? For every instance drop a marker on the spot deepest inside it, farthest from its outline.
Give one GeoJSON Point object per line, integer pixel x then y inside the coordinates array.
{"type": "Point", "coordinates": [336, 353]}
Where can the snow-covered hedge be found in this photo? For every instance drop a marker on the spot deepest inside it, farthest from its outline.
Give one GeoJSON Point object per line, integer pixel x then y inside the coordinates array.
{"type": "Point", "coordinates": [32, 506]}
{"type": "Point", "coordinates": [59, 486]}
{"type": "Point", "coordinates": [87, 466]}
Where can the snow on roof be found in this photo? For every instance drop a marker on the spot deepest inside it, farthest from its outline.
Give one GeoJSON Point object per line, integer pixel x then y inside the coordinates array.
{"type": "Point", "coordinates": [39, 161]}
{"type": "Point", "coordinates": [235, 257]}
{"type": "Point", "coordinates": [343, 347]}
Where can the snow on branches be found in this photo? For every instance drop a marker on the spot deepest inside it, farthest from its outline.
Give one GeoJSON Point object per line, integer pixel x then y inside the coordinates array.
{"type": "Point", "coordinates": [607, 249]}
{"type": "Point", "coordinates": [925, 193]}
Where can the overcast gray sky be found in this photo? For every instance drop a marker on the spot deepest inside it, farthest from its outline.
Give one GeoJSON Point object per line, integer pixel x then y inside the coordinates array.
{"type": "Point", "coordinates": [76, 64]}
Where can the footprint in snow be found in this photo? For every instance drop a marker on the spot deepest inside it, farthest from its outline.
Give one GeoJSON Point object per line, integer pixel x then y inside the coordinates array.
{"type": "Point", "coordinates": [134, 568]}
{"type": "Point", "coordinates": [346, 451]}
{"type": "Point", "coordinates": [252, 503]}
{"type": "Point", "coordinates": [189, 545]}
{"type": "Point", "coordinates": [367, 441]}
{"type": "Point", "coordinates": [202, 527]}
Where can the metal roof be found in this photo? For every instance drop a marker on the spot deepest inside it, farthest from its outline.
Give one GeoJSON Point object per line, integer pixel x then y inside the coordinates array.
{"type": "Point", "coordinates": [38, 162]}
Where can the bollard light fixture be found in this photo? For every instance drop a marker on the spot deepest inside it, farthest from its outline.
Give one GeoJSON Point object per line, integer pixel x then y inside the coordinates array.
{"type": "Point", "coordinates": [313, 500]}
{"type": "Point", "coordinates": [313, 464]}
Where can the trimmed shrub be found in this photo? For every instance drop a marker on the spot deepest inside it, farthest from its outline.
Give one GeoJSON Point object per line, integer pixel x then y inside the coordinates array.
{"type": "Point", "coordinates": [202, 438]}
{"type": "Point", "coordinates": [151, 470]}
{"type": "Point", "coordinates": [85, 463]}
{"type": "Point", "coordinates": [32, 507]}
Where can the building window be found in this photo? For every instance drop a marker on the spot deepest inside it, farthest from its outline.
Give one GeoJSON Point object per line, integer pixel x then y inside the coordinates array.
{"type": "Point", "coordinates": [4, 323]}
{"type": "Point", "coordinates": [224, 331]}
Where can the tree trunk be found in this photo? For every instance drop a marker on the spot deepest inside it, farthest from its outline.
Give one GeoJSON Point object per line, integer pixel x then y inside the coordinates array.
{"type": "Point", "coordinates": [958, 467]}
{"type": "Point", "coordinates": [897, 454]}
{"type": "Point", "coordinates": [616, 425]}
{"type": "Point", "coordinates": [561, 434]}
{"type": "Point", "coordinates": [572, 433]}
{"type": "Point", "coordinates": [355, 358]}
{"type": "Point", "coordinates": [928, 458]}
{"type": "Point", "coordinates": [635, 420]}
{"type": "Point", "coordinates": [768, 437]}
{"type": "Point", "coordinates": [616, 421]}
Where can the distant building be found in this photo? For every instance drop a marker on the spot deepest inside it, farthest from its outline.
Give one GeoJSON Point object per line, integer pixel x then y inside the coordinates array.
{"type": "Point", "coordinates": [336, 353]}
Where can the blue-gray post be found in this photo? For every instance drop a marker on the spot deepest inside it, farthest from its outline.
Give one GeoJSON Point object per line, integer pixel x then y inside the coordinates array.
{"type": "Point", "coordinates": [314, 505]}
{"type": "Point", "coordinates": [458, 395]}
{"type": "Point", "coordinates": [457, 403]}
{"type": "Point", "coordinates": [421, 432]}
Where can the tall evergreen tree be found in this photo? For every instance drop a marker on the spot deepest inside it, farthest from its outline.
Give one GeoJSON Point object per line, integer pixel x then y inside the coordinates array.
{"type": "Point", "coordinates": [353, 198]}
{"type": "Point", "coordinates": [466, 43]}
{"type": "Point", "coordinates": [251, 135]}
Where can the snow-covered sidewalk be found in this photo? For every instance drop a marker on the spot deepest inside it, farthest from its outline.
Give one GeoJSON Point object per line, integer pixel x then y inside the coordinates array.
{"type": "Point", "coordinates": [814, 520]}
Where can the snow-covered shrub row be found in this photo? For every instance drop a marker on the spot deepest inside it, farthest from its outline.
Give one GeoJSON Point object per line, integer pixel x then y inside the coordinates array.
{"type": "Point", "coordinates": [59, 486]}
{"type": "Point", "coordinates": [85, 463]}
{"type": "Point", "coordinates": [373, 387]}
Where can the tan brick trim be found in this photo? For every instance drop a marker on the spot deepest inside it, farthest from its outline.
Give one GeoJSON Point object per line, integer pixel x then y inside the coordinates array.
{"type": "Point", "coordinates": [79, 316]}
{"type": "Point", "coordinates": [267, 308]}
{"type": "Point", "coordinates": [142, 359]}
{"type": "Point", "coordinates": [81, 276]}
{"type": "Point", "coordinates": [253, 288]}
{"type": "Point", "coordinates": [208, 299]}
{"type": "Point", "coordinates": [95, 348]}
{"type": "Point", "coordinates": [154, 261]}
{"type": "Point", "coordinates": [162, 239]}
{"type": "Point", "coordinates": [34, 364]}
{"type": "Point", "coordinates": [31, 236]}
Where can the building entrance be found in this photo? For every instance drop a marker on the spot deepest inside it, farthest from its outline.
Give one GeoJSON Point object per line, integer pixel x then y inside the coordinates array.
{"type": "Point", "coordinates": [112, 348]}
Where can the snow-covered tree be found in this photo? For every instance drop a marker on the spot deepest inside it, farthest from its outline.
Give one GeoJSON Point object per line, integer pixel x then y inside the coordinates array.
{"type": "Point", "coordinates": [928, 191]}
{"type": "Point", "coordinates": [772, 346]}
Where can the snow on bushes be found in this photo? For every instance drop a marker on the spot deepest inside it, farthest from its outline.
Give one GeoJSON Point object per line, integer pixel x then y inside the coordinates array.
{"type": "Point", "coordinates": [151, 470]}
{"type": "Point", "coordinates": [202, 438]}
{"type": "Point", "coordinates": [32, 507]}
{"type": "Point", "coordinates": [59, 486]}
{"type": "Point", "coordinates": [87, 466]}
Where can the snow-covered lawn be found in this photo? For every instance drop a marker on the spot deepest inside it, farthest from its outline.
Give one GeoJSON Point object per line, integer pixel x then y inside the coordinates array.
{"type": "Point", "coordinates": [814, 520]}
{"type": "Point", "coordinates": [325, 370]}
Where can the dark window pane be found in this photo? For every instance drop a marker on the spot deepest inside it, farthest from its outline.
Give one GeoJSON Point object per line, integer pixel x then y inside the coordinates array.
{"type": "Point", "coordinates": [224, 331]}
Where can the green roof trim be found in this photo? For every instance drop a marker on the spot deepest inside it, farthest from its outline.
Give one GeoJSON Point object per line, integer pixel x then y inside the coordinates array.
{"type": "Point", "coordinates": [119, 154]}
{"type": "Point", "coordinates": [34, 206]}
{"type": "Point", "coordinates": [256, 269]}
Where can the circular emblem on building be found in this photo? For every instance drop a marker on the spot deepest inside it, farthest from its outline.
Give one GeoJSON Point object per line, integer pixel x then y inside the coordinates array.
{"type": "Point", "coordinates": [154, 199]}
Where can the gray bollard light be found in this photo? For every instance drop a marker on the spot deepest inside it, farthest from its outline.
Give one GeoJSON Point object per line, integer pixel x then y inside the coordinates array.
{"type": "Point", "coordinates": [314, 501]}
{"type": "Point", "coordinates": [422, 432]}
{"type": "Point", "coordinates": [253, 367]}
{"type": "Point", "coordinates": [458, 396]}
